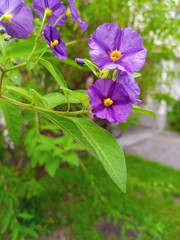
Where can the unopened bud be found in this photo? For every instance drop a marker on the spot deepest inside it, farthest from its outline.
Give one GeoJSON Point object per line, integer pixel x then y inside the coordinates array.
{"type": "Point", "coordinates": [79, 61]}
{"type": "Point", "coordinates": [2, 30]}
{"type": "Point", "coordinates": [7, 38]}
{"type": "Point", "coordinates": [15, 62]}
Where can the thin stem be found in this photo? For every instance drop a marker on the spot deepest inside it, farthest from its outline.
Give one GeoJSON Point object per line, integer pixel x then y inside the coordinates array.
{"type": "Point", "coordinates": [36, 119]}
{"type": "Point", "coordinates": [34, 49]}
{"type": "Point", "coordinates": [17, 66]}
{"type": "Point", "coordinates": [42, 54]}
{"type": "Point", "coordinates": [38, 37]}
{"type": "Point", "coordinates": [42, 24]}
{"type": "Point", "coordinates": [1, 80]}
{"type": "Point", "coordinates": [34, 107]}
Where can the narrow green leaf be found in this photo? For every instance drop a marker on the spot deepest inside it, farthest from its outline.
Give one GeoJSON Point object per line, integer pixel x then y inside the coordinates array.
{"type": "Point", "coordinates": [143, 111]}
{"type": "Point", "coordinates": [50, 58]}
{"type": "Point", "coordinates": [98, 141]}
{"type": "Point", "coordinates": [108, 150]}
{"type": "Point", "coordinates": [91, 66]}
{"type": "Point", "coordinates": [13, 118]}
{"type": "Point", "coordinates": [54, 71]}
{"type": "Point", "coordinates": [24, 92]}
{"type": "Point", "coordinates": [55, 99]}
{"type": "Point", "coordinates": [38, 99]}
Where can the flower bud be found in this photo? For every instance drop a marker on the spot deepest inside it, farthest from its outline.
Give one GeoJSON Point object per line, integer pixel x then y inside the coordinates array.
{"type": "Point", "coordinates": [79, 61]}
{"type": "Point", "coordinates": [2, 30]}
{"type": "Point", "coordinates": [7, 38]}
{"type": "Point", "coordinates": [15, 62]}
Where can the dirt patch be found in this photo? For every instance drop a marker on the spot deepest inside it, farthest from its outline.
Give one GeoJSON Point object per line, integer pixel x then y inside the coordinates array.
{"type": "Point", "coordinates": [109, 229]}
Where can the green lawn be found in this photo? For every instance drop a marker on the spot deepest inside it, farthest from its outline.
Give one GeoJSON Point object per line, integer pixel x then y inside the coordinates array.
{"type": "Point", "coordinates": [79, 198]}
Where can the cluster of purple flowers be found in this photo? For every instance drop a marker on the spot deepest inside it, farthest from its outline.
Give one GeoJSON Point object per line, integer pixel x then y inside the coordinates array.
{"type": "Point", "coordinates": [110, 47]}
{"type": "Point", "coordinates": [120, 49]}
{"type": "Point", "coordinates": [17, 18]}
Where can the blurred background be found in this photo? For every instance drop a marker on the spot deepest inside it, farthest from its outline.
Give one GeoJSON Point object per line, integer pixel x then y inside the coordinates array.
{"type": "Point", "coordinates": [77, 200]}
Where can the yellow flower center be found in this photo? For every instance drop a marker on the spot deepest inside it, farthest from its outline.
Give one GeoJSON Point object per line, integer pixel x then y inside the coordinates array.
{"type": "Point", "coordinates": [115, 55]}
{"type": "Point", "coordinates": [107, 102]}
{"type": "Point", "coordinates": [54, 43]}
{"type": "Point", "coordinates": [68, 12]}
{"type": "Point", "coordinates": [48, 12]}
{"type": "Point", "coordinates": [6, 17]}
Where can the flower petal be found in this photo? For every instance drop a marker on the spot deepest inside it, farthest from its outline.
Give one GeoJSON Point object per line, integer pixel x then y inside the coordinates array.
{"type": "Point", "coordinates": [130, 41]}
{"type": "Point", "coordinates": [22, 21]}
{"type": "Point", "coordinates": [133, 62]}
{"type": "Point", "coordinates": [130, 85]}
{"type": "Point", "coordinates": [75, 15]}
{"type": "Point", "coordinates": [120, 113]}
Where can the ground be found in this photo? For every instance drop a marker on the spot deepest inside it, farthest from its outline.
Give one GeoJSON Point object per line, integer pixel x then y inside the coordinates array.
{"type": "Point", "coordinates": [162, 147]}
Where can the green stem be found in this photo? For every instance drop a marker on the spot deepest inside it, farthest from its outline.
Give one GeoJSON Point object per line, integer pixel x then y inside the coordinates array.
{"type": "Point", "coordinates": [36, 118]}
{"type": "Point", "coordinates": [42, 25]}
{"type": "Point", "coordinates": [34, 49]}
{"type": "Point", "coordinates": [34, 107]}
{"type": "Point", "coordinates": [42, 54]}
{"type": "Point", "coordinates": [38, 37]}
{"type": "Point", "coordinates": [17, 66]}
{"type": "Point", "coordinates": [1, 80]}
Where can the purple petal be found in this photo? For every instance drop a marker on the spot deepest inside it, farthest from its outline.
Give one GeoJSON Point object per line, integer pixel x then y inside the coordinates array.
{"type": "Point", "coordinates": [120, 112]}
{"type": "Point", "coordinates": [133, 62]}
{"type": "Point", "coordinates": [9, 5]}
{"type": "Point", "coordinates": [75, 15]}
{"type": "Point", "coordinates": [132, 41]}
{"type": "Point", "coordinates": [22, 20]}
{"type": "Point", "coordinates": [130, 85]}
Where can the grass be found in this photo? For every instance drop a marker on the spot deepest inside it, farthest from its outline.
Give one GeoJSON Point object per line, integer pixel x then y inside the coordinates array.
{"type": "Point", "coordinates": [79, 198]}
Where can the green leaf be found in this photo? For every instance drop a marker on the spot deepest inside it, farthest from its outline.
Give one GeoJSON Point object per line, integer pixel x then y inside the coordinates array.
{"type": "Point", "coordinates": [55, 99]}
{"type": "Point", "coordinates": [15, 77]}
{"type": "Point", "coordinates": [52, 165]}
{"type": "Point", "coordinates": [30, 65]}
{"type": "Point", "coordinates": [54, 71]}
{"type": "Point", "coordinates": [23, 48]}
{"type": "Point", "coordinates": [143, 111]}
{"type": "Point", "coordinates": [98, 141]}
{"type": "Point", "coordinates": [92, 67]}
{"type": "Point", "coordinates": [82, 97]}
{"type": "Point", "coordinates": [72, 158]}
{"type": "Point", "coordinates": [13, 118]}
{"type": "Point", "coordinates": [50, 58]}
{"type": "Point", "coordinates": [24, 92]}
{"type": "Point", "coordinates": [38, 99]}
{"type": "Point", "coordinates": [25, 215]}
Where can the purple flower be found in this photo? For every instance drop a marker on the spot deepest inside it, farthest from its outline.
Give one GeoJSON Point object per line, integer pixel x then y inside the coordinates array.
{"type": "Point", "coordinates": [75, 15]}
{"type": "Point", "coordinates": [53, 39]}
{"type": "Point", "coordinates": [54, 9]}
{"type": "Point", "coordinates": [110, 100]}
{"type": "Point", "coordinates": [112, 47]}
{"type": "Point", "coordinates": [16, 18]}
{"type": "Point", "coordinates": [130, 86]}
